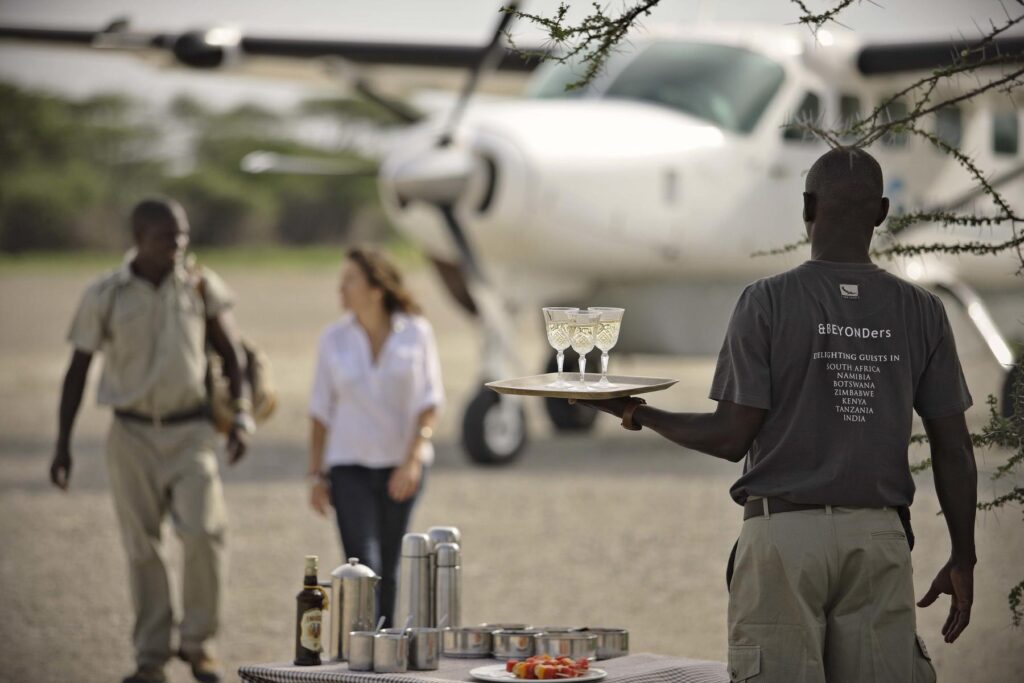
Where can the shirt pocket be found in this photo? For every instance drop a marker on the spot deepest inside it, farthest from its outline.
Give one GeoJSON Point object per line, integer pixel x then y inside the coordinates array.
{"type": "Point", "coordinates": [192, 315]}
{"type": "Point", "coordinates": [346, 374]}
{"type": "Point", "coordinates": [400, 375]}
{"type": "Point", "coordinates": [129, 322]}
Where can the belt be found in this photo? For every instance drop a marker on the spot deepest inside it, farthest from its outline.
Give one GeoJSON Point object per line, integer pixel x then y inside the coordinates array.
{"type": "Point", "coordinates": [755, 508]}
{"type": "Point", "coordinates": [171, 418]}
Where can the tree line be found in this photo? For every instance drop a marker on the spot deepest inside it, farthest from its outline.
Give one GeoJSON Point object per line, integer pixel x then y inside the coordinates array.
{"type": "Point", "coordinates": [72, 169]}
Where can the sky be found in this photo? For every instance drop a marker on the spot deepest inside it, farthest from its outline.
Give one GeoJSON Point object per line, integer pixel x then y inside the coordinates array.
{"type": "Point", "coordinates": [460, 21]}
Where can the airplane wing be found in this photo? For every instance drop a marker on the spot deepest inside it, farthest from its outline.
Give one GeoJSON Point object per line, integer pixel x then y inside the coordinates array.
{"type": "Point", "coordinates": [215, 47]}
{"type": "Point", "coordinates": [891, 58]}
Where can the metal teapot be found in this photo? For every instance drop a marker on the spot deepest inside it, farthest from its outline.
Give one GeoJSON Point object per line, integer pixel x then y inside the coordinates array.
{"type": "Point", "coordinates": [353, 605]}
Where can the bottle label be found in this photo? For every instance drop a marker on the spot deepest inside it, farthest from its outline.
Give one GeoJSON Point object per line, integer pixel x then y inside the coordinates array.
{"type": "Point", "coordinates": [309, 628]}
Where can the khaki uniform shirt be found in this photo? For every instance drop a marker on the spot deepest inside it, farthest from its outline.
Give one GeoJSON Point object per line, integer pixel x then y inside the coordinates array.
{"type": "Point", "coordinates": [153, 338]}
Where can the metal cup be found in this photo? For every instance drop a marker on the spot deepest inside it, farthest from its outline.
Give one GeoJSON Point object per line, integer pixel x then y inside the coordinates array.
{"type": "Point", "coordinates": [360, 650]}
{"type": "Point", "coordinates": [424, 648]}
{"type": "Point", "coordinates": [391, 652]}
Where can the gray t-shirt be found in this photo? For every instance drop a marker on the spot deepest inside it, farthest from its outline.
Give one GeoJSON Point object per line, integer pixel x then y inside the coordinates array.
{"type": "Point", "coordinates": [838, 354]}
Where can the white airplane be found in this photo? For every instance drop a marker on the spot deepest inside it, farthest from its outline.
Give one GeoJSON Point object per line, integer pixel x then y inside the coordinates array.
{"type": "Point", "coordinates": [653, 186]}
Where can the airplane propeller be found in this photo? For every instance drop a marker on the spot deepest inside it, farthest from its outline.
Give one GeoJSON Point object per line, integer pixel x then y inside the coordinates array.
{"type": "Point", "coordinates": [487, 62]}
{"type": "Point", "coordinates": [441, 174]}
{"type": "Point", "coordinates": [261, 161]}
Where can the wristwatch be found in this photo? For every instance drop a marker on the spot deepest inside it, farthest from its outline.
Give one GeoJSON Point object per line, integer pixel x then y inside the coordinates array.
{"type": "Point", "coordinates": [426, 433]}
{"type": "Point", "coordinates": [632, 404]}
{"type": "Point", "coordinates": [243, 420]}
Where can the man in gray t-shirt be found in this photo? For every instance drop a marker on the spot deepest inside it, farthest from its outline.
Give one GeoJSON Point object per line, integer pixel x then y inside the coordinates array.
{"type": "Point", "coordinates": [816, 382]}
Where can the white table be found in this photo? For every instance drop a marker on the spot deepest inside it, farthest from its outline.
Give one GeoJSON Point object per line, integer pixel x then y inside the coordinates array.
{"type": "Point", "coordinates": [638, 668]}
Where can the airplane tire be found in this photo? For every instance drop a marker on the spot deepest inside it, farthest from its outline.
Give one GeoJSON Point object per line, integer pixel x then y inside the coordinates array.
{"type": "Point", "coordinates": [565, 417]}
{"type": "Point", "coordinates": [1010, 385]}
{"type": "Point", "coordinates": [491, 436]}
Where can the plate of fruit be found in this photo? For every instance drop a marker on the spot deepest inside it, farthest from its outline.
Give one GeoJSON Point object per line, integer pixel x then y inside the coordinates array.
{"type": "Point", "coordinates": [539, 668]}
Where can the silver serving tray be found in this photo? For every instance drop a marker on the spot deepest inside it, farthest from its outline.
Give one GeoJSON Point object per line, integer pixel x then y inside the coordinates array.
{"type": "Point", "coordinates": [539, 385]}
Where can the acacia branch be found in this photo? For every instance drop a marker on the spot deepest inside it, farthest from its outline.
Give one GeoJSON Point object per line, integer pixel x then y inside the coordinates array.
{"type": "Point", "coordinates": [592, 40]}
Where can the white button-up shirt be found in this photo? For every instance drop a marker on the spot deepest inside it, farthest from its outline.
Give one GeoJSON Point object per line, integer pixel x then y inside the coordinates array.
{"type": "Point", "coordinates": [371, 409]}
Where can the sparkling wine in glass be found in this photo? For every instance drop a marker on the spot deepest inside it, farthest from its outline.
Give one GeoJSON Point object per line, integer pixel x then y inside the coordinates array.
{"type": "Point", "coordinates": [558, 321]}
{"type": "Point", "coordinates": [607, 337]}
{"type": "Point", "coordinates": [583, 335]}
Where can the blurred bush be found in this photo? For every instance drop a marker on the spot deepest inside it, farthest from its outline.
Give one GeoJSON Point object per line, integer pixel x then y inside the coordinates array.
{"type": "Point", "coordinates": [72, 170]}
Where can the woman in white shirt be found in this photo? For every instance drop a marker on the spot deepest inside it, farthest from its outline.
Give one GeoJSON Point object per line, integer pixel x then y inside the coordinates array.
{"type": "Point", "coordinates": [376, 394]}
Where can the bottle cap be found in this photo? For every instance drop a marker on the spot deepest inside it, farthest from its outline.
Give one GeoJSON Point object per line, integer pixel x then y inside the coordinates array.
{"type": "Point", "coordinates": [443, 534]}
{"type": "Point", "coordinates": [448, 555]}
{"type": "Point", "coordinates": [311, 564]}
{"type": "Point", "coordinates": [415, 545]}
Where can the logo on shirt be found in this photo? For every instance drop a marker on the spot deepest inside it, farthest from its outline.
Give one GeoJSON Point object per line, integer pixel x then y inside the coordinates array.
{"type": "Point", "coordinates": [850, 291]}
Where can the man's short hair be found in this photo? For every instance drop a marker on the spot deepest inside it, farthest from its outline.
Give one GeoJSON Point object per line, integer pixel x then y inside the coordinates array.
{"type": "Point", "coordinates": [846, 180]}
{"type": "Point", "coordinates": [156, 211]}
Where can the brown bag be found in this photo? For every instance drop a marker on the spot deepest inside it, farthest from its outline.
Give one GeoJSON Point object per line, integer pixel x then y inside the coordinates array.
{"type": "Point", "coordinates": [257, 371]}
{"type": "Point", "coordinates": [218, 389]}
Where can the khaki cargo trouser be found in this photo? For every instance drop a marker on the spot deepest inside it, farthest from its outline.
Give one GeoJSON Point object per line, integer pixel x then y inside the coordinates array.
{"type": "Point", "coordinates": [824, 595]}
{"type": "Point", "coordinates": [155, 471]}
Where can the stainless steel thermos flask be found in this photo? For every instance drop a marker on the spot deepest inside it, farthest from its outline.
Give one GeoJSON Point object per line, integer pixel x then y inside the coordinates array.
{"type": "Point", "coordinates": [414, 589]}
{"type": "Point", "coordinates": [448, 589]}
{"type": "Point", "coordinates": [439, 535]}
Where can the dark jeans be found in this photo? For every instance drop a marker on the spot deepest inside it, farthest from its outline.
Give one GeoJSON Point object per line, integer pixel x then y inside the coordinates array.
{"type": "Point", "coordinates": [372, 524]}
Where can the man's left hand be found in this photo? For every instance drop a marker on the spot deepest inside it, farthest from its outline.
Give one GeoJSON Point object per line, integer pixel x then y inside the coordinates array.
{"type": "Point", "coordinates": [612, 406]}
{"type": "Point", "coordinates": [956, 580]}
{"type": "Point", "coordinates": [238, 443]}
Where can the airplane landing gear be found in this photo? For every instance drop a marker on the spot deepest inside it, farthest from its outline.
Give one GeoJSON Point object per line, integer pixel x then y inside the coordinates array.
{"type": "Point", "coordinates": [1011, 385]}
{"type": "Point", "coordinates": [493, 428]}
{"type": "Point", "coordinates": [978, 314]}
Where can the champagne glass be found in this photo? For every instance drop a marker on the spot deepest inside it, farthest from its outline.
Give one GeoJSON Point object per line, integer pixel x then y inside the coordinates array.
{"type": "Point", "coordinates": [557, 321]}
{"type": "Point", "coordinates": [583, 335]}
{"type": "Point", "coordinates": [607, 337]}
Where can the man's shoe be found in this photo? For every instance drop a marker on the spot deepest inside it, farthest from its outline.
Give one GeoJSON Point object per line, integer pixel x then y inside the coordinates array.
{"type": "Point", "coordinates": [205, 669]}
{"type": "Point", "coordinates": [147, 674]}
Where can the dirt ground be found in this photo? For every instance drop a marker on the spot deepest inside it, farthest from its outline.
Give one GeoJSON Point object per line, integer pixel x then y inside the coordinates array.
{"type": "Point", "coordinates": [606, 529]}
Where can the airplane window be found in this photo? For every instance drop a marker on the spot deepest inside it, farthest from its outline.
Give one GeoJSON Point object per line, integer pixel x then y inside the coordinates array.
{"type": "Point", "coordinates": [849, 112]}
{"type": "Point", "coordinates": [894, 112]}
{"type": "Point", "coordinates": [949, 126]}
{"type": "Point", "coordinates": [1005, 132]}
{"type": "Point", "coordinates": [727, 86]}
{"type": "Point", "coordinates": [809, 112]}
{"type": "Point", "coordinates": [550, 83]}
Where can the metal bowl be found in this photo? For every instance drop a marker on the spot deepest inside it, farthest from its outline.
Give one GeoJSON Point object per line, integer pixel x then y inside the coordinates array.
{"type": "Point", "coordinates": [467, 641]}
{"type": "Point", "coordinates": [611, 642]}
{"type": "Point", "coordinates": [559, 629]}
{"type": "Point", "coordinates": [507, 627]}
{"type": "Point", "coordinates": [576, 645]}
{"type": "Point", "coordinates": [390, 652]}
{"type": "Point", "coordinates": [424, 648]}
{"type": "Point", "coordinates": [360, 650]}
{"type": "Point", "coordinates": [514, 644]}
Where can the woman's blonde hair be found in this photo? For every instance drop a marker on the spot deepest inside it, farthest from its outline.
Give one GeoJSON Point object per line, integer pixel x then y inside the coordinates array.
{"type": "Point", "coordinates": [381, 273]}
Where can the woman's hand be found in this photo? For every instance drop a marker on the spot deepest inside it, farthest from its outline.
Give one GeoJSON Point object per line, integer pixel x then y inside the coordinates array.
{"type": "Point", "coordinates": [405, 479]}
{"type": "Point", "coordinates": [320, 497]}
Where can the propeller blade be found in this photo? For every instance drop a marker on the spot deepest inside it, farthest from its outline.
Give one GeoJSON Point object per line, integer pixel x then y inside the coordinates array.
{"type": "Point", "coordinates": [402, 111]}
{"type": "Point", "coordinates": [490, 56]}
{"type": "Point", "coordinates": [262, 161]}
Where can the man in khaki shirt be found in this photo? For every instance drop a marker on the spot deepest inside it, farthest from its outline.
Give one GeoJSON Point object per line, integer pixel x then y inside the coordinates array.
{"type": "Point", "coordinates": [152, 321]}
